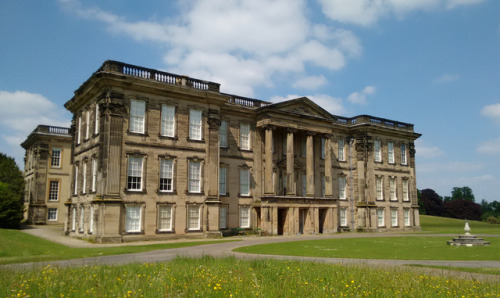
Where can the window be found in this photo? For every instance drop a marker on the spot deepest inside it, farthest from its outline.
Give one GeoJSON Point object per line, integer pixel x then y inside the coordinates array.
{"type": "Point", "coordinates": [87, 124]}
{"type": "Point", "coordinates": [342, 184]}
{"type": "Point", "coordinates": [134, 181]}
{"type": "Point", "coordinates": [390, 150]}
{"type": "Point", "coordinates": [94, 173]}
{"type": "Point", "coordinates": [245, 182]}
{"type": "Point", "coordinates": [96, 123]}
{"type": "Point", "coordinates": [165, 218]}
{"type": "Point", "coordinates": [380, 192]}
{"type": "Point", "coordinates": [195, 124]}
{"type": "Point", "coordinates": [343, 217]}
{"type": "Point", "coordinates": [76, 180]}
{"type": "Point", "coordinates": [304, 184]}
{"type": "Point", "coordinates": [52, 214]}
{"type": "Point", "coordinates": [303, 146]}
{"type": "Point", "coordinates": [79, 131]}
{"type": "Point", "coordinates": [194, 183]}
{"type": "Point", "coordinates": [244, 136]}
{"type": "Point", "coordinates": [73, 219]}
{"type": "Point", "coordinates": [84, 177]}
{"type": "Point", "coordinates": [194, 217]}
{"type": "Point", "coordinates": [392, 187]}
{"type": "Point", "coordinates": [403, 154]}
{"type": "Point", "coordinates": [341, 153]}
{"type": "Point", "coordinates": [168, 120]}
{"type": "Point", "coordinates": [322, 148]}
{"type": "Point", "coordinates": [394, 217]}
{"type": "Point", "coordinates": [133, 219]}
{"type": "Point", "coordinates": [406, 197]}
{"type": "Point", "coordinates": [166, 175]}
{"type": "Point", "coordinates": [378, 151]}
{"type": "Point", "coordinates": [91, 221]}
{"type": "Point", "coordinates": [223, 217]}
{"type": "Point", "coordinates": [82, 214]}
{"type": "Point", "coordinates": [244, 217]}
{"type": "Point", "coordinates": [380, 217]}
{"type": "Point", "coordinates": [55, 160]}
{"type": "Point", "coordinates": [223, 134]}
{"type": "Point", "coordinates": [54, 190]}
{"type": "Point", "coordinates": [407, 217]}
{"type": "Point", "coordinates": [222, 180]}
{"type": "Point", "coordinates": [137, 116]}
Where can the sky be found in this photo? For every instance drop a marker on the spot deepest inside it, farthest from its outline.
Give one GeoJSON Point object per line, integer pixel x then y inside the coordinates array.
{"type": "Point", "coordinates": [433, 63]}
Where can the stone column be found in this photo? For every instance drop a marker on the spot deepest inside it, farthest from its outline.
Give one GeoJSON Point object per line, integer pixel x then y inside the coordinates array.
{"type": "Point", "coordinates": [310, 164]}
{"type": "Point", "coordinates": [213, 155]}
{"type": "Point", "coordinates": [269, 164]}
{"type": "Point", "coordinates": [290, 163]}
{"type": "Point", "coordinates": [328, 167]}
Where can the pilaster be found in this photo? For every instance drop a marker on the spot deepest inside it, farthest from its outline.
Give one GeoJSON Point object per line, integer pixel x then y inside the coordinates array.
{"type": "Point", "coordinates": [269, 164]}
{"type": "Point", "coordinates": [310, 164]}
{"type": "Point", "coordinates": [290, 163]}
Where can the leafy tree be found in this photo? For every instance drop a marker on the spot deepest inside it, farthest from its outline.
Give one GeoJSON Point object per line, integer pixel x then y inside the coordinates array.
{"type": "Point", "coordinates": [432, 202]}
{"type": "Point", "coordinates": [463, 209]}
{"type": "Point", "coordinates": [11, 193]}
{"type": "Point", "coordinates": [461, 193]}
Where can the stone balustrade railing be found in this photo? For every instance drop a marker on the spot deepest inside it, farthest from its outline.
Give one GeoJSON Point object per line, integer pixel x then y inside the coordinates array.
{"type": "Point", "coordinates": [245, 101]}
{"type": "Point", "coordinates": [52, 130]}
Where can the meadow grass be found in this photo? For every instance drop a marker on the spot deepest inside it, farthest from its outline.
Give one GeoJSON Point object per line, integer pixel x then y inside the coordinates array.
{"type": "Point", "coordinates": [482, 270]}
{"type": "Point", "coordinates": [19, 247]}
{"type": "Point", "coordinates": [444, 225]}
{"type": "Point", "coordinates": [229, 277]}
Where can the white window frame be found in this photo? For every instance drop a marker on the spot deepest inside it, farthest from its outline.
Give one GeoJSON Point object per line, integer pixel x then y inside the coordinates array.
{"type": "Point", "coordinates": [379, 188]}
{"type": "Point", "coordinates": [166, 174]}
{"type": "Point", "coordinates": [75, 190]}
{"type": "Point", "coordinates": [393, 189]}
{"type": "Point", "coordinates": [55, 156]}
{"type": "Point", "coordinates": [222, 181]}
{"type": "Point", "coordinates": [96, 122]}
{"type": "Point", "coordinates": [82, 218]}
{"type": "Point", "coordinates": [135, 173]}
{"type": "Point", "coordinates": [167, 120]}
{"type": "Point", "coordinates": [54, 191]}
{"type": "Point", "coordinates": [378, 151]}
{"type": "Point", "coordinates": [343, 217]}
{"type": "Point", "coordinates": [73, 219]}
{"type": "Point", "coordinates": [245, 136]}
{"type": "Point", "coordinates": [404, 161]}
{"type": "Point", "coordinates": [342, 187]}
{"type": "Point", "coordinates": [406, 190]}
{"type": "Point", "coordinates": [223, 217]}
{"type": "Point", "coordinates": [165, 218]}
{"type": "Point", "coordinates": [195, 124]}
{"type": "Point", "coordinates": [94, 174]}
{"type": "Point", "coordinates": [79, 130]}
{"type": "Point", "coordinates": [87, 125]}
{"type": "Point", "coordinates": [133, 218]}
{"type": "Point", "coordinates": [394, 217]}
{"type": "Point", "coordinates": [84, 177]}
{"type": "Point", "coordinates": [341, 150]}
{"type": "Point", "coordinates": [244, 217]}
{"type": "Point", "coordinates": [194, 176]}
{"type": "Point", "coordinates": [390, 152]}
{"type": "Point", "coordinates": [137, 116]}
{"type": "Point", "coordinates": [244, 182]}
{"type": "Point", "coordinates": [91, 219]}
{"type": "Point", "coordinates": [52, 216]}
{"type": "Point", "coordinates": [193, 217]}
{"type": "Point", "coordinates": [407, 217]}
{"type": "Point", "coordinates": [380, 217]}
{"type": "Point", "coordinates": [223, 134]}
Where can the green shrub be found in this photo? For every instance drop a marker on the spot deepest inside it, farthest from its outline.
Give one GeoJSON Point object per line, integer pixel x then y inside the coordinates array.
{"type": "Point", "coordinates": [492, 220]}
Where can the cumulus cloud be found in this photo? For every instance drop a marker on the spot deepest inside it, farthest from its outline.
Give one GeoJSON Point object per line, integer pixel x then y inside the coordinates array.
{"type": "Point", "coordinates": [426, 152]}
{"type": "Point", "coordinates": [311, 82]}
{"type": "Point", "coordinates": [446, 78]}
{"type": "Point", "coordinates": [490, 147]}
{"type": "Point", "coordinates": [368, 12]}
{"type": "Point", "coordinates": [333, 105]}
{"type": "Point", "coordinates": [492, 111]}
{"type": "Point", "coordinates": [237, 43]}
{"type": "Point", "coordinates": [360, 97]}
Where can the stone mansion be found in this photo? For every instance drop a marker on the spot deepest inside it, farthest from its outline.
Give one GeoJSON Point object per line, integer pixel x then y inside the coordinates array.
{"type": "Point", "coordinates": [157, 155]}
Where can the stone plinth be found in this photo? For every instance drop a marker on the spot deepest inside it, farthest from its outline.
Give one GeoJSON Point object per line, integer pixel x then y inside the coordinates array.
{"type": "Point", "coordinates": [468, 240]}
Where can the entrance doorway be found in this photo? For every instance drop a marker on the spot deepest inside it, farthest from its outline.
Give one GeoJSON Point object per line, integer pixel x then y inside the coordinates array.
{"type": "Point", "coordinates": [282, 214]}
{"type": "Point", "coordinates": [322, 219]}
{"type": "Point", "coordinates": [303, 212]}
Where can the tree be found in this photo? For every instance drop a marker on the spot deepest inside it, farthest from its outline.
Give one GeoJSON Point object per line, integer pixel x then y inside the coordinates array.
{"type": "Point", "coordinates": [432, 202]}
{"type": "Point", "coordinates": [461, 193]}
{"type": "Point", "coordinates": [463, 209]}
{"type": "Point", "coordinates": [11, 193]}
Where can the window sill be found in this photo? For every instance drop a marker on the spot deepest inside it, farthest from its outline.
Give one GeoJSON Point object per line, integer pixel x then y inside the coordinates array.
{"type": "Point", "coordinates": [224, 195]}
{"type": "Point", "coordinates": [194, 231]}
{"type": "Point", "coordinates": [244, 196]}
{"type": "Point", "coordinates": [138, 134]}
{"type": "Point", "coordinates": [165, 232]}
{"type": "Point", "coordinates": [134, 233]}
{"type": "Point", "coordinates": [162, 137]}
{"type": "Point", "coordinates": [245, 150]}
{"type": "Point", "coordinates": [140, 192]}
{"type": "Point", "coordinates": [201, 193]}
{"type": "Point", "coordinates": [166, 193]}
{"type": "Point", "coordinates": [202, 141]}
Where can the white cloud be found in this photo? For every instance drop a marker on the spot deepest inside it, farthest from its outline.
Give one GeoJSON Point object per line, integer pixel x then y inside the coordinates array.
{"type": "Point", "coordinates": [238, 43]}
{"type": "Point", "coordinates": [446, 78]}
{"type": "Point", "coordinates": [368, 12]}
{"type": "Point", "coordinates": [426, 152]}
{"type": "Point", "coordinates": [449, 167]}
{"type": "Point", "coordinates": [492, 111]}
{"type": "Point", "coordinates": [490, 147]}
{"type": "Point", "coordinates": [333, 105]}
{"type": "Point", "coordinates": [311, 82]}
{"type": "Point", "coordinates": [360, 97]}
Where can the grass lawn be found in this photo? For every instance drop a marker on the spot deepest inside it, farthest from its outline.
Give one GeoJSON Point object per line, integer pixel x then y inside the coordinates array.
{"type": "Point", "coordinates": [19, 247]}
{"type": "Point", "coordinates": [488, 270]}
{"type": "Point", "coordinates": [443, 225]}
{"type": "Point", "coordinates": [229, 277]}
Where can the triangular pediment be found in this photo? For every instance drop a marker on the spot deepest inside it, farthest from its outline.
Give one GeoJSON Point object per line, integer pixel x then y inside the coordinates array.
{"type": "Point", "coordinates": [302, 106]}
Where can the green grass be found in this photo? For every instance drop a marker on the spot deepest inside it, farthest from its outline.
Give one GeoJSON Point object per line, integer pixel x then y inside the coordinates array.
{"type": "Point", "coordinates": [443, 225]}
{"type": "Point", "coordinates": [485, 270]}
{"type": "Point", "coordinates": [19, 247]}
{"type": "Point", "coordinates": [229, 277]}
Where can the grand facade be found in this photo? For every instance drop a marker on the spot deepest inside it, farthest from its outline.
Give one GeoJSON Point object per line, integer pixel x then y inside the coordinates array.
{"type": "Point", "coordinates": [47, 174]}
{"type": "Point", "coordinates": [159, 156]}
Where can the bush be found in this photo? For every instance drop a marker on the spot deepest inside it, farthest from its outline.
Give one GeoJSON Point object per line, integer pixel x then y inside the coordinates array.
{"type": "Point", "coordinates": [492, 220]}
{"type": "Point", "coordinates": [11, 193]}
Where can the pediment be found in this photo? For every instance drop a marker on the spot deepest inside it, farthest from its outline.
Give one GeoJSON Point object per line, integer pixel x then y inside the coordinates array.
{"type": "Point", "coordinates": [302, 106]}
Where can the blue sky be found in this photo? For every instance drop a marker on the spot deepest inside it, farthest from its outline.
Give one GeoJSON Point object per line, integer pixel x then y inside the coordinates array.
{"type": "Point", "coordinates": [433, 63]}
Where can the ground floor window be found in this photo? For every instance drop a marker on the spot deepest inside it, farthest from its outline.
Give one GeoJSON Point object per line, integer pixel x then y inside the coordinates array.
{"type": "Point", "coordinates": [343, 217]}
{"type": "Point", "coordinates": [52, 214]}
{"type": "Point", "coordinates": [194, 217]}
{"type": "Point", "coordinates": [165, 218]}
{"type": "Point", "coordinates": [91, 221]}
{"type": "Point", "coordinates": [82, 214]}
{"type": "Point", "coordinates": [244, 217]}
{"type": "Point", "coordinates": [394, 217]}
{"type": "Point", "coordinates": [133, 219]}
{"type": "Point", "coordinates": [223, 217]}
{"type": "Point", "coordinates": [380, 217]}
{"type": "Point", "coordinates": [407, 217]}
{"type": "Point", "coordinates": [73, 219]}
